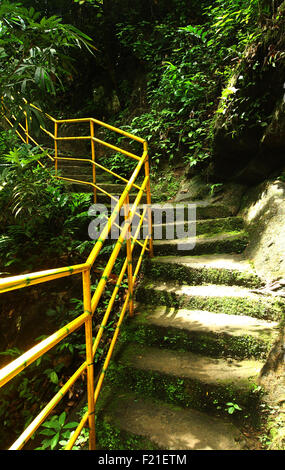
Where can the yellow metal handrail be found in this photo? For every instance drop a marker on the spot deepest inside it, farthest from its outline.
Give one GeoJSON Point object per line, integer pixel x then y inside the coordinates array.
{"type": "Point", "coordinates": [90, 302]}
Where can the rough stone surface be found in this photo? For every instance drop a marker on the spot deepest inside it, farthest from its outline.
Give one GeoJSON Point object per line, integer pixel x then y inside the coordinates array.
{"type": "Point", "coordinates": [263, 210]}
{"type": "Point", "coordinates": [234, 300]}
{"type": "Point", "coordinates": [203, 321]}
{"type": "Point", "coordinates": [193, 366]}
{"type": "Point", "coordinates": [224, 242]}
{"type": "Point", "coordinates": [227, 196]}
{"type": "Point", "coordinates": [222, 261]}
{"type": "Point", "coordinates": [214, 226]}
{"type": "Point", "coordinates": [174, 429]}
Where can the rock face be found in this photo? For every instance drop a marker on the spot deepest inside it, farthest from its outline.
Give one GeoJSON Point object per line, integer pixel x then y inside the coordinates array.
{"type": "Point", "coordinates": [249, 130]}
{"type": "Point", "coordinates": [224, 197]}
{"type": "Point", "coordinates": [263, 209]}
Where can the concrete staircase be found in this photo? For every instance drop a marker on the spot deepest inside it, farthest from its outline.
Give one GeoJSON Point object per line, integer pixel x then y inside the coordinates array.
{"type": "Point", "coordinates": [185, 372]}
{"type": "Point", "coordinates": [184, 375]}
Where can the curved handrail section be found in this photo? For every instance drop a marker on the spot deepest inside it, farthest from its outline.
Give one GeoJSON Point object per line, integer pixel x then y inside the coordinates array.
{"type": "Point", "coordinates": [90, 302]}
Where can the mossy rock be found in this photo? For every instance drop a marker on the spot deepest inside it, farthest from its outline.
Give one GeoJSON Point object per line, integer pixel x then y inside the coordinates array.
{"type": "Point", "coordinates": [208, 343]}
{"type": "Point", "coordinates": [199, 275]}
{"type": "Point", "coordinates": [254, 306]}
{"type": "Point", "coordinates": [185, 392]}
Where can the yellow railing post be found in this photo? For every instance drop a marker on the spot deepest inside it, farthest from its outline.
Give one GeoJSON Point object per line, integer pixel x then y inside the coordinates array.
{"type": "Point", "coordinates": [129, 257]}
{"type": "Point", "coordinates": [89, 357]}
{"type": "Point", "coordinates": [93, 159]}
{"type": "Point", "coordinates": [148, 200]}
{"type": "Point", "coordinates": [55, 147]}
{"type": "Point", "coordinates": [27, 127]}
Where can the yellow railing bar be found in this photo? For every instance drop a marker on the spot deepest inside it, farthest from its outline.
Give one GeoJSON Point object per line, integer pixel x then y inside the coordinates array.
{"type": "Point", "coordinates": [112, 300]}
{"type": "Point", "coordinates": [35, 424]}
{"type": "Point", "coordinates": [83, 421]}
{"type": "Point", "coordinates": [77, 432]}
{"type": "Point", "coordinates": [116, 250]}
{"type": "Point", "coordinates": [89, 357]}
{"type": "Point", "coordinates": [82, 137]}
{"type": "Point", "coordinates": [116, 211]}
{"type": "Point", "coordinates": [15, 367]}
{"type": "Point", "coordinates": [120, 228]}
{"type": "Point", "coordinates": [89, 183]}
{"type": "Point", "coordinates": [129, 256]}
{"type": "Point", "coordinates": [134, 238]}
{"type": "Point", "coordinates": [148, 200]}
{"type": "Point", "coordinates": [39, 109]}
{"type": "Point", "coordinates": [99, 166]}
{"type": "Point", "coordinates": [44, 413]}
{"type": "Point", "coordinates": [90, 304]}
{"type": "Point", "coordinates": [117, 149]}
{"type": "Point", "coordinates": [103, 124]}
{"type": "Point", "coordinates": [95, 121]}
{"type": "Point", "coordinates": [95, 186]}
{"type": "Point", "coordinates": [24, 280]}
{"type": "Point", "coordinates": [99, 141]}
{"type": "Point", "coordinates": [29, 137]}
{"type": "Point", "coordinates": [55, 148]}
{"type": "Point", "coordinates": [93, 160]}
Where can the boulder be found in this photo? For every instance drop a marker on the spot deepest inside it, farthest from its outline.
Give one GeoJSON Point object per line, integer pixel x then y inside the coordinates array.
{"type": "Point", "coordinates": [263, 209]}
{"type": "Point", "coordinates": [226, 196]}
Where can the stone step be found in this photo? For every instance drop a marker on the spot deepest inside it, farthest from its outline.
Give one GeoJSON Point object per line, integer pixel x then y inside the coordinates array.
{"type": "Point", "coordinates": [85, 173]}
{"type": "Point", "coordinates": [233, 242]}
{"type": "Point", "coordinates": [215, 298]}
{"type": "Point", "coordinates": [163, 426]}
{"type": "Point", "coordinates": [213, 334]}
{"type": "Point", "coordinates": [210, 226]}
{"type": "Point", "coordinates": [186, 379]}
{"type": "Point", "coordinates": [226, 269]}
{"type": "Point", "coordinates": [105, 199]}
{"type": "Point", "coordinates": [71, 171]}
{"type": "Point", "coordinates": [88, 177]}
{"type": "Point", "coordinates": [170, 215]}
{"type": "Point", "coordinates": [204, 210]}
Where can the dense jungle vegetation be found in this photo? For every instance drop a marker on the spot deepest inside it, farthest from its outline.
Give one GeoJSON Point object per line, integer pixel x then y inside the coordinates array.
{"type": "Point", "coordinates": [161, 69]}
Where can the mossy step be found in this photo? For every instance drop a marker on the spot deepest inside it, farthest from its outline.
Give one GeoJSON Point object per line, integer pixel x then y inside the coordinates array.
{"type": "Point", "coordinates": [74, 168]}
{"type": "Point", "coordinates": [204, 210]}
{"type": "Point", "coordinates": [185, 378]}
{"type": "Point", "coordinates": [70, 169]}
{"type": "Point", "coordinates": [168, 215]}
{"type": "Point", "coordinates": [226, 269]}
{"type": "Point", "coordinates": [112, 188]}
{"type": "Point", "coordinates": [213, 334]}
{"type": "Point", "coordinates": [173, 230]}
{"type": "Point", "coordinates": [222, 243]}
{"type": "Point", "coordinates": [233, 300]}
{"type": "Point", "coordinates": [154, 424]}
{"type": "Point", "coordinates": [105, 199]}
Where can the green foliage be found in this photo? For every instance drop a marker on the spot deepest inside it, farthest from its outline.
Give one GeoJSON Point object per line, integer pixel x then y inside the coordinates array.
{"type": "Point", "coordinates": [56, 429]}
{"type": "Point", "coordinates": [232, 408]}
{"type": "Point", "coordinates": [8, 140]}
{"type": "Point", "coordinates": [234, 24]}
{"type": "Point", "coordinates": [34, 58]}
{"type": "Point", "coordinates": [37, 212]}
{"type": "Point", "coordinates": [187, 65]}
